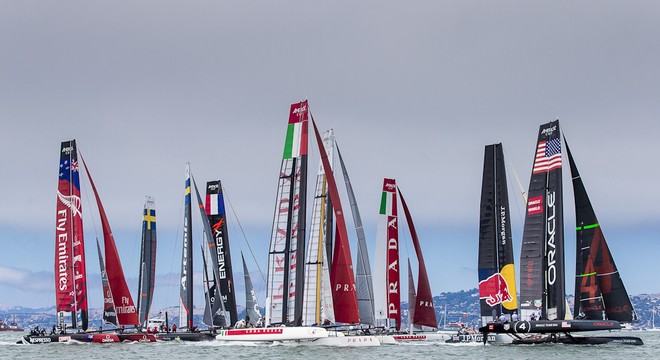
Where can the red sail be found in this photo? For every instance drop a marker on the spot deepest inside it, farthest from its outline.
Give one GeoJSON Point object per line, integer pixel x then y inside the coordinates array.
{"type": "Point", "coordinates": [424, 310]}
{"type": "Point", "coordinates": [126, 311]}
{"type": "Point", "coordinates": [70, 273]}
{"type": "Point", "coordinates": [342, 280]}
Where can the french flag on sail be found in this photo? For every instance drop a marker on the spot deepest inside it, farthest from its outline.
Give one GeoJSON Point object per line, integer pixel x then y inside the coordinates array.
{"type": "Point", "coordinates": [215, 204]}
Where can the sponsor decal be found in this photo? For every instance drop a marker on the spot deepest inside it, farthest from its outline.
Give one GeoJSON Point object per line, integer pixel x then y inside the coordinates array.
{"type": "Point", "coordinates": [495, 290]}
{"type": "Point", "coordinates": [550, 246]}
{"type": "Point", "coordinates": [548, 131]}
{"type": "Point", "coordinates": [535, 205]}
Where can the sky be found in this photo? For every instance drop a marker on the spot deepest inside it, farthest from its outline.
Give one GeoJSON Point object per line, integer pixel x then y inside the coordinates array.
{"type": "Point", "coordinates": [413, 90]}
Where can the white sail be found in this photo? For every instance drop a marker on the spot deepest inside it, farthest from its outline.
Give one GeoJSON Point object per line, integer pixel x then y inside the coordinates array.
{"type": "Point", "coordinates": [317, 287]}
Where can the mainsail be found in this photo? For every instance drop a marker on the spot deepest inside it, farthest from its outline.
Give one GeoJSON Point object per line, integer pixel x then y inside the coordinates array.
{"type": "Point", "coordinates": [252, 311]}
{"type": "Point", "coordinates": [363, 282]}
{"type": "Point", "coordinates": [387, 296]}
{"type": "Point", "coordinates": [146, 280]}
{"type": "Point", "coordinates": [599, 289]}
{"type": "Point", "coordinates": [215, 212]}
{"type": "Point", "coordinates": [211, 287]}
{"type": "Point", "coordinates": [497, 282]}
{"type": "Point", "coordinates": [317, 305]}
{"type": "Point", "coordinates": [109, 312]}
{"type": "Point", "coordinates": [70, 273]}
{"type": "Point", "coordinates": [344, 296]}
{"type": "Point", "coordinates": [286, 259]}
{"type": "Point", "coordinates": [424, 309]}
{"type": "Point", "coordinates": [542, 253]}
{"type": "Point", "coordinates": [186, 290]}
{"type": "Point", "coordinates": [126, 311]}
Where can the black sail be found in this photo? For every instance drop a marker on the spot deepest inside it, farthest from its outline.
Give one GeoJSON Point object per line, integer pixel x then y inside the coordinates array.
{"type": "Point", "coordinates": [497, 281]}
{"type": "Point", "coordinates": [542, 253]}
{"type": "Point", "coordinates": [147, 278]}
{"type": "Point", "coordinates": [215, 211]}
{"type": "Point", "coordinates": [600, 293]}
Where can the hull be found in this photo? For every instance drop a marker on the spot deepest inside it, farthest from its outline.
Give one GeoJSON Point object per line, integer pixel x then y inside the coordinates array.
{"type": "Point", "coordinates": [64, 338]}
{"type": "Point", "coordinates": [185, 336]}
{"type": "Point", "coordinates": [549, 326]}
{"type": "Point", "coordinates": [137, 337]}
{"type": "Point", "coordinates": [273, 334]}
{"type": "Point", "coordinates": [338, 339]}
{"type": "Point", "coordinates": [429, 336]}
{"type": "Point", "coordinates": [479, 338]}
{"type": "Point", "coordinates": [581, 340]}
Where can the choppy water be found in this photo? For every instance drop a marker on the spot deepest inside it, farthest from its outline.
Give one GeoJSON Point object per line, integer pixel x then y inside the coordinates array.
{"type": "Point", "coordinates": [211, 350]}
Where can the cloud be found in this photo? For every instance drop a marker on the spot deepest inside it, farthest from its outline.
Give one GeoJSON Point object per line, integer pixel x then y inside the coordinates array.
{"type": "Point", "coordinates": [26, 280]}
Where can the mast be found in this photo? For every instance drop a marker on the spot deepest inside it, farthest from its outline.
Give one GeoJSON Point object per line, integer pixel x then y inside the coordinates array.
{"type": "Point", "coordinates": [344, 296]}
{"type": "Point", "coordinates": [126, 311]}
{"type": "Point", "coordinates": [185, 290]}
{"type": "Point", "coordinates": [424, 309]}
{"type": "Point", "coordinates": [387, 297]}
{"type": "Point", "coordinates": [286, 259]}
{"type": "Point", "coordinates": [252, 311]}
{"type": "Point", "coordinates": [497, 283]}
{"type": "Point", "coordinates": [109, 312]}
{"type": "Point", "coordinates": [542, 253]}
{"type": "Point", "coordinates": [70, 272]}
{"type": "Point", "coordinates": [365, 289]}
{"type": "Point", "coordinates": [599, 289]}
{"type": "Point", "coordinates": [215, 212]}
{"type": "Point", "coordinates": [147, 277]}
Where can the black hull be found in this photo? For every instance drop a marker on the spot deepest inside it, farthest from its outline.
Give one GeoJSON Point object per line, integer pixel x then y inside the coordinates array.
{"type": "Point", "coordinates": [580, 340]}
{"type": "Point", "coordinates": [186, 336]}
{"type": "Point", "coordinates": [549, 326]}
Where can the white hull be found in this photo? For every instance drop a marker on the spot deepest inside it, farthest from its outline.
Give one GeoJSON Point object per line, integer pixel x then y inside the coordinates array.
{"type": "Point", "coordinates": [273, 334]}
{"type": "Point", "coordinates": [338, 339]}
{"type": "Point", "coordinates": [386, 339]}
{"type": "Point", "coordinates": [423, 336]}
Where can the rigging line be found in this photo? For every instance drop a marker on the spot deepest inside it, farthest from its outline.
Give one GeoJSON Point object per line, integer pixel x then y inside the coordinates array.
{"type": "Point", "coordinates": [89, 204]}
{"type": "Point", "coordinates": [240, 226]}
{"type": "Point", "coordinates": [522, 190]}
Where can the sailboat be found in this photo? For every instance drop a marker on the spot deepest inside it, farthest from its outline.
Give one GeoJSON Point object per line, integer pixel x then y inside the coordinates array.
{"type": "Point", "coordinates": [542, 295]}
{"type": "Point", "coordinates": [286, 258]}
{"type": "Point", "coordinates": [70, 272]}
{"type": "Point", "coordinates": [216, 241]}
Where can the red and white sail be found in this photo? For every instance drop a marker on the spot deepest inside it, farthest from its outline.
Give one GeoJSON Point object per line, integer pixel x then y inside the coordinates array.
{"type": "Point", "coordinates": [386, 276]}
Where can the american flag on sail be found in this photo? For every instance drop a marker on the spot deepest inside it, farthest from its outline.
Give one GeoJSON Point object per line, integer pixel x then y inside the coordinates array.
{"type": "Point", "coordinates": [548, 156]}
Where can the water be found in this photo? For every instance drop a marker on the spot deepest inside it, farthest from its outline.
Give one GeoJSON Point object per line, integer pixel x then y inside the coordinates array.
{"type": "Point", "coordinates": [211, 350]}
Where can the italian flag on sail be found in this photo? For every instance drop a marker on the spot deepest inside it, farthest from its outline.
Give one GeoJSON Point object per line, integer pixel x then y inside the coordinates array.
{"type": "Point", "coordinates": [296, 133]}
{"type": "Point", "coordinates": [388, 199]}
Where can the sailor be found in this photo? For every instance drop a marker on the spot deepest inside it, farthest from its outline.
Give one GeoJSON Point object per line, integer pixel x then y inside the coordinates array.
{"type": "Point", "coordinates": [532, 317]}
{"type": "Point", "coordinates": [502, 319]}
{"type": "Point", "coordinates": [174, 327]}
{"type": "Point", "coordinates": [514, 316]}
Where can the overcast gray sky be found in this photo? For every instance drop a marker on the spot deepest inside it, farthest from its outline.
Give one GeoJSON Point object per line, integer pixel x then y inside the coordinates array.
{"type": "Point", "coordinates": [413, 90]}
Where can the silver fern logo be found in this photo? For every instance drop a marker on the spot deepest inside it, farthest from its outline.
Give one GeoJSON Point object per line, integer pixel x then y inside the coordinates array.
{"type": "Point", "coordinates": [72, 202]}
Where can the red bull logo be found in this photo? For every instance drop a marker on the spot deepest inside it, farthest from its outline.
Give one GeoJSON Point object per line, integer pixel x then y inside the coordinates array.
{"type": "Point", "coordinates": [494, 290]}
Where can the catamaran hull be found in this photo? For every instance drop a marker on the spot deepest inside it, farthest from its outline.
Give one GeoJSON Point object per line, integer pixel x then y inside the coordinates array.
{"type": "Point", "coordinates": [341, 340]}
{"type": "Point", "coordinates": [186, 336]}
{"type": "Point", "coordinates": [62, 338]}
{"type": "Point", "coordinates": [549, 326]}
{"type": "Point", "coordinates": [479, 338]}
{"type": "Point", "coordinates": [273, 334]}
{"type": "Point", "coordinates": [581, 340]}
{"type": "Point", "coordinates": [137, 337]}
{"type": "Point", "coordinates": [432, 336]}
